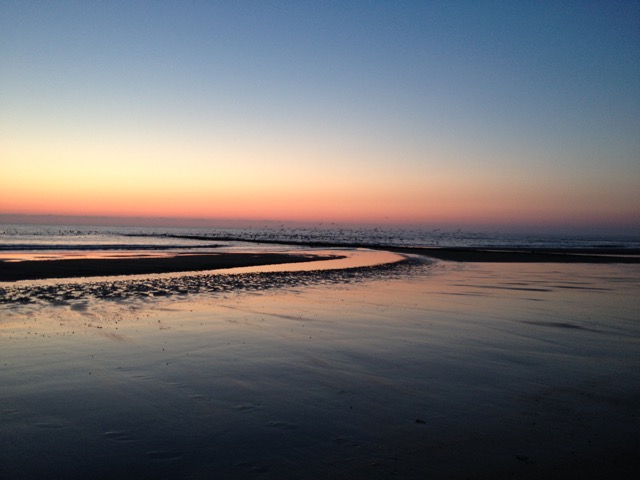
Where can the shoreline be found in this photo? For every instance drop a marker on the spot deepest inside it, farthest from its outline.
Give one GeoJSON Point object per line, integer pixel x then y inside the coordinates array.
{"type": "Point", "coordinates": [11, 271]}
{"type": "Point", "coordinates": [525, 255]}
{"type": "Point", "coordinates": [468, 254]}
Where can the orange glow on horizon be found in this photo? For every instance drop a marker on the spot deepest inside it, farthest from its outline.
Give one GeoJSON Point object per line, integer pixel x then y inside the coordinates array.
{"type": "Point", "coordinates": [316, 204]}
{"type": "Point", "coordinates": [232, 184]}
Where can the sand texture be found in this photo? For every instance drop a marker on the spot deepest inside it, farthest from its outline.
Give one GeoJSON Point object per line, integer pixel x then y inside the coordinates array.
{"type": "Point", "coordinates": [444, 370]}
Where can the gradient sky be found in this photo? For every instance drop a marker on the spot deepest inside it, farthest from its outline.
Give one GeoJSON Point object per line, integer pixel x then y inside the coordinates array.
{"type": "Point", "coordinates": [439, 113]}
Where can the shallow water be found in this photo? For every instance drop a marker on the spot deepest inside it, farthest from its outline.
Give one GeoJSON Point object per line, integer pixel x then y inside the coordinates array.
{"type": "Point", "coordinates": [340, 265]}
{"type": "Point", "coordinates": [54, 238]}
{"type": "Point", "coordinates": [444, 371]}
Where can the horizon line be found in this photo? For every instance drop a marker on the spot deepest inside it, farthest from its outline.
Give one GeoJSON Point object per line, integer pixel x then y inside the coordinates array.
{"type": "Point", "coordinates": [202, 222]}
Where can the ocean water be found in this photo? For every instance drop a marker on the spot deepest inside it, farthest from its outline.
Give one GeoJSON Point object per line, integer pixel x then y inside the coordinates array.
{"type": "Point", "coordinates": [67, 237]}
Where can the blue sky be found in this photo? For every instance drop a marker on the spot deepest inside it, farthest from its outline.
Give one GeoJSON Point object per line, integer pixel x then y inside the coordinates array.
{"type": "Point", "coordinates": [452, 110]}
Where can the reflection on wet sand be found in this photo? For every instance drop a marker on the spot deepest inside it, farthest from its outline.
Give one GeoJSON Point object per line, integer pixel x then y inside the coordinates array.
{"type": "Point", "coordinates": [327, 266]}
{"type": "Point", "coordinates": [441, 371]}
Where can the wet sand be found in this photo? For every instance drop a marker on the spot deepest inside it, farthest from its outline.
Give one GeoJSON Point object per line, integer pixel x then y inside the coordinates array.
{"type": "Point", "coordinates": [85, 266]}
{"type": "Point", "coordinates": [445, 370]}
{"type": "Point", "coordinates": [527, 255]}
{"type": "Point", "coordinates": [92, 267]}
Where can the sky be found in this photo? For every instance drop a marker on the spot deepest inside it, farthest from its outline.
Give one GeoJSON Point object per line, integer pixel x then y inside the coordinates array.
{"type": "Point", "coordinates": [465, 113]}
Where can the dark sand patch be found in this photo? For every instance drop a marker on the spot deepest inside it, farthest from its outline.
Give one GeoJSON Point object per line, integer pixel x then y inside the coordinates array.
{"type": "Point", "coordinates": [522, 255]}
{"type": "Point", "coordinates": [92, 267]}
{"type": "Point", "coordinates": [76, 293]}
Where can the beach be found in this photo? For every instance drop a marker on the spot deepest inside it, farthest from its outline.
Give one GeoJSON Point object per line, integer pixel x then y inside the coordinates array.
{"type": "Point", "coordinates": [320, 240]}
{"type": "Point", "coordinates": [426, 369]}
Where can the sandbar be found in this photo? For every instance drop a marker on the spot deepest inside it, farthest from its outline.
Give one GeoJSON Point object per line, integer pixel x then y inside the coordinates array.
{"type": "Point", "coordinates": [93, 267]}
{"type": "Point", "coordinates": [526, 255]}
{"type": "Point", "coordinates": [87, 266]}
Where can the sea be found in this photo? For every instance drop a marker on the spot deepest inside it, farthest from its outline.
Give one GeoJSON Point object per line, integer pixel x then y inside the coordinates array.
{"type": "Point", "coordinates": [44, 238]}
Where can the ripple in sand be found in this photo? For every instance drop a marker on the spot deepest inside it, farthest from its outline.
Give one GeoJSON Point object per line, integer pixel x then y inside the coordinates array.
{"type": "Point", "coordinates": [164, 455]}
{"type": "Point", "coordinates": [75, 295]}
{"type": "Point", "coordinates": [248, 407]}
{"type": "Point", "coordinates": [49, 425]}
{"type": "Point", "coordinates": [119, 436]}
{"type": "Point", "coordinates": [565, 325]}
{"type": "Point", "coordinates": [283, 425]}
